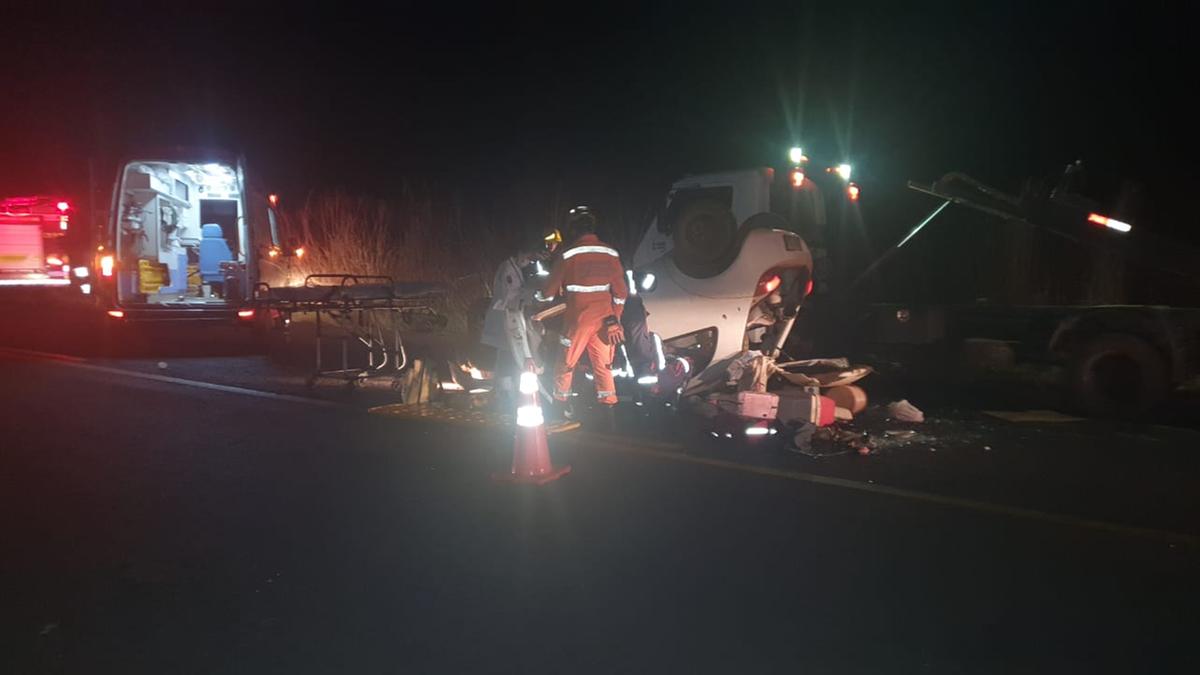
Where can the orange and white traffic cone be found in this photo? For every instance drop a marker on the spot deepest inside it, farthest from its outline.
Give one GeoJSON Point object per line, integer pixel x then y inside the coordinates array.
{"type": "Point", "coordinates": [531, 453]}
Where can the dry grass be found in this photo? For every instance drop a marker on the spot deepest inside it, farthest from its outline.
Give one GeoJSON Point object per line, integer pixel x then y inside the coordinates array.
{"type": "Point", "coordinates": [412, 239]}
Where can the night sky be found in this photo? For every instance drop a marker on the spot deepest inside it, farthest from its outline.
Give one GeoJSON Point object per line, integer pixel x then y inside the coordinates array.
{"type": "Point", "coordinates": [500, 100]}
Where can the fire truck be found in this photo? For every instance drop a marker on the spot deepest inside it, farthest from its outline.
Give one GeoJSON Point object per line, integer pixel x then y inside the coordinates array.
{"type": "Point", "coordinates": [40, 245]}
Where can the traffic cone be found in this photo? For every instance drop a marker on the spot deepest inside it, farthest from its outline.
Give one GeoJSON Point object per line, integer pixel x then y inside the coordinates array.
{"type": "Point", "coordinates": [531, 453]}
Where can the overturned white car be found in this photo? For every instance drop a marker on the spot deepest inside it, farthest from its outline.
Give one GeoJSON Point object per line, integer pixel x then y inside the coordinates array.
{"type": "Point", "coordinates": [720, 270]}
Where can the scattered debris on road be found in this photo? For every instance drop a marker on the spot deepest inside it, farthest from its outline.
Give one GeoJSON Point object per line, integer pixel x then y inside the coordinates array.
{"type": "Point", "coordinates": [905, 411]}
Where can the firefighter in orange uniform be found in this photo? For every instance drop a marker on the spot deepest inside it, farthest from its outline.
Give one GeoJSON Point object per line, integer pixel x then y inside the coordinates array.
{"type": "Point", "coordinates": [589, 277]}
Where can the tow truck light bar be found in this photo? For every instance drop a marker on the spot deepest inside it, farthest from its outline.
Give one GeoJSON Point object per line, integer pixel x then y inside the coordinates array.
{"type": "Point", "coordinates": [1110, 223]}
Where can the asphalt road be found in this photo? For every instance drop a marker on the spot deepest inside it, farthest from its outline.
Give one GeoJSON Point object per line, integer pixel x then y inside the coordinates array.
{"type": "Point", "coordinates": [155, 527]}
{"type": "Point", "coordinates": [174, 502]}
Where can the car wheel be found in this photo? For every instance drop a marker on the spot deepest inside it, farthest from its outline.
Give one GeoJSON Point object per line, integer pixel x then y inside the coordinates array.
{"type": "Point", "coordinates": [1117, 375]}
{"type": "Point", "coordinates": [704, 235]}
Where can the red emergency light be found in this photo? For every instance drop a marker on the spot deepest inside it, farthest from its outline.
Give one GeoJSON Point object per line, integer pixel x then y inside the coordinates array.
{"type": "Point", "coordinates": [797, 178]}
{"type": "Point", "coordinates": [64, 206]}
{"type": "Point", "coordinates": [808, 289]}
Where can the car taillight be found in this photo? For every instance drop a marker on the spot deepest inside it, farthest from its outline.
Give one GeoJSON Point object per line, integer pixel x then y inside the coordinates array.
{"type": "Point", "coordinates": [853, 191]}
{"type": "Point", "coordinates": [797, 178]}
{"type": "Point", "coordinates": [808, 289]}
{"type": "Point", "coordinates": [245, 314]}
{"type": "Point", "coordinates": [116, 314]}
{"type": "Point", "coordinates": [106, 265]}
{"type": "Point", "coordinates": [772, 283]}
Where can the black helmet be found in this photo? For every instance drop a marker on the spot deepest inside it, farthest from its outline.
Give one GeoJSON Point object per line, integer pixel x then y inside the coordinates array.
{"type": "Point", "coordinates": [580, 221]}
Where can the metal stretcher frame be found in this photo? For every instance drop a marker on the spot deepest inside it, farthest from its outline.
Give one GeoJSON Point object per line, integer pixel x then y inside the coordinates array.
{"type": "Point", "coordinates": [355, 303]}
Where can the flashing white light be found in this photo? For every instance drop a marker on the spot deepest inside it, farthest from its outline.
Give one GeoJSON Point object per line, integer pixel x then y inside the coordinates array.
{"type": "Point", "coordinates": [106, 265]}
{"type": "Point", "coordinates": [479, 391]}
{"type": "Point", "coordinates": [658, 352]}
{"type": "Point", "coordinates": [1110, 223]}
{"type": "Point", "coordinates": [638, 403]}
{"type": "Point", "coordinates": [477, 373]}
{"type": "Point", "coordinates": [796, 154]}
{"type": "Point", "coordinates": [715, 434]}
{"type": "Point", "coordinates": [629, 282]}
{"type": "Point", "coordinates": [757, 431]}
{"type": "Point", "coordinates": [843, 170]}
{"type": "Point", "coordinates": [648, 379]}
{"type": "Point", "coordinates": [86, 289]}
{"type": "Point", "coordinates": [530, 416]}
{"type": "Point", "coordinates": [529, 383]}
{"type": "Point", "coordinates": [728, 435]}
{"type": "Point", "coordinates": [539, 270]}
{"type": "Point", "coordinates": [648, 281]}
{"type": "Point", "coordinates": [81, 272]}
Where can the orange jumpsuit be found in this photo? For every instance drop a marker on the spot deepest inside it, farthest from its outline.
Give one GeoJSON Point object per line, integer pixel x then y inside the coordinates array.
{"type": "Point", "coordinates": [590, 277]}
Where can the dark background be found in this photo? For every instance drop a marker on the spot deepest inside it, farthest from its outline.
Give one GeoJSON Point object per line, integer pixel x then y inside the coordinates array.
{"type": "Point", "coordinates": [500, 105]}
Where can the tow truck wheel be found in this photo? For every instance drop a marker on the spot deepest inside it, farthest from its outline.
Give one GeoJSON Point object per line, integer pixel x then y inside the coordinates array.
{"type": "Point", "coordinates": [1117, 375]}
{"type": "Point", "coordinates": [704, 235]}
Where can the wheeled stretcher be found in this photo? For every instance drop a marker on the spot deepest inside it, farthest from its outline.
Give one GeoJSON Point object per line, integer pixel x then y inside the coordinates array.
{"type": "Point", "coordinates": [365, 312]}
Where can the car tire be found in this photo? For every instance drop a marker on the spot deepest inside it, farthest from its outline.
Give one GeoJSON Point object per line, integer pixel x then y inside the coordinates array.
{"type": "Point", "coordinates": [704, 236]}
{"type": "Point", "coordinates": [1116, 375]}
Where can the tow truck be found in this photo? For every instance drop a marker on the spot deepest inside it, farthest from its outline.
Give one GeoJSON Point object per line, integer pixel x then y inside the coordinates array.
{"type": "Point", "coordinates": [39, 244]}
{"type": "Point", "coordinates": [1112, 360]}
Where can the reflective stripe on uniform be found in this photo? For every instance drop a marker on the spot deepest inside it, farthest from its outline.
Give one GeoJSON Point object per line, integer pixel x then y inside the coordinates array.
{"type": "Point", "coordinates": [576, 288]}
{"type": "Point", "coordinates": [605, 394]}
{"type": "Point", "coordinates": [590, 249]}
{"type": "Point", "coordinates": [564, 341]}
{"type": "Point", "coordinates": [618, 301]}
